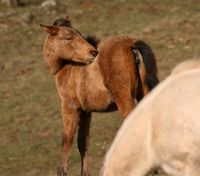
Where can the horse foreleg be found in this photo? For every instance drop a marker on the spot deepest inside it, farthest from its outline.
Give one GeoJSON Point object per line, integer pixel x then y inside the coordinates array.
{"type": "Point", "coordinates": [83, 140]}
{"type": "Point", "coordinates": [70, 121]}
{"type": "Point", "coordinates": [132, 152]}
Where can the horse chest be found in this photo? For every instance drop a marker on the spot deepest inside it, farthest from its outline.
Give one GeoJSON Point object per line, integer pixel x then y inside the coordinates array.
{"type": "Point", "coordinates": [66, 86]}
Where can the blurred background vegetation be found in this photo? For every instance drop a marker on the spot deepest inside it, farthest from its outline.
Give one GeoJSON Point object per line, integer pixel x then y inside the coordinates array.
{"type": "Point", "coordinates": [30, 123]}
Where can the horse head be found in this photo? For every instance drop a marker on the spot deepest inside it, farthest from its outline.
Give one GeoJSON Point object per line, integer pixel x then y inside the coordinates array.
{"type": "Point", "coordinates": [67, 44]}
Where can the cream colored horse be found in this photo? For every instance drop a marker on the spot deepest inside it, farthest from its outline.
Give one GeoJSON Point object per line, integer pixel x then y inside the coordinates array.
{"type": "Point", "coordinates": [163, 131]}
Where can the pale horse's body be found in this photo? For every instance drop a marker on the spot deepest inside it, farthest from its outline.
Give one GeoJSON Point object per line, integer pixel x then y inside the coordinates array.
{"type": "Point", "coordinates": [163, 131]}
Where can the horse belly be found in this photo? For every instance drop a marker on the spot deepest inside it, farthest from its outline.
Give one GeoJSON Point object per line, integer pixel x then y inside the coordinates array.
{"type": "Point", "coordinates": [93, 96]}
{"type": "Point", "coordinates": [98, 100]}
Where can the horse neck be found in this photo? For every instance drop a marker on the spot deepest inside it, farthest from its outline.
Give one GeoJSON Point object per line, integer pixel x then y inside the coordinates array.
{"type": "Point", "coordinates": [53, 62]}
{"type": "Point", "coordinates": [94, 70]}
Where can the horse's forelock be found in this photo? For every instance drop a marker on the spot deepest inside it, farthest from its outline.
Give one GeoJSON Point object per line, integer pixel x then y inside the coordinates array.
{"type": "Point", "coordinates": [62, 22]}
{"type": "Point", "coordinates": [67, 23]}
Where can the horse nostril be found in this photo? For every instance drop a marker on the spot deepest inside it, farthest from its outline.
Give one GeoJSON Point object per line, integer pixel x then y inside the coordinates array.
{"type": "Point", "coordinates": [94, 52]}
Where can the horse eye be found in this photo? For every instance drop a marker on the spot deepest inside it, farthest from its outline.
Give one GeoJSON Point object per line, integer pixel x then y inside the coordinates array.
{"type": "Point", "coordinates": [68, 38]}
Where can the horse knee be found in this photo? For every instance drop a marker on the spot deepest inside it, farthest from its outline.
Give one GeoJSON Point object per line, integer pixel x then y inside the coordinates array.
{"type": "Point", "coordinates": [67, 140]}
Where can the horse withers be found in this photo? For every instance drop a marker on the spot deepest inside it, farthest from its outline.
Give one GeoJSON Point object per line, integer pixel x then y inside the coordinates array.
{"type": "Point", "coordinates": [163, 131]}
{"type": "Point", "coordinates": [123, 71]}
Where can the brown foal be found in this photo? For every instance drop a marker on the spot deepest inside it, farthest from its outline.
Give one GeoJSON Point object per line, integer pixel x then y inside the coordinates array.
{"type": "Point", "coordinates": [123, 71]}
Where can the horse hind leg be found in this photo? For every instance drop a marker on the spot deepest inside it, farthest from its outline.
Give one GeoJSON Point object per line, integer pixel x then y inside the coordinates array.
{"type": "Point", "coordinates": [125, 105]}
{"type": "Point", "coordinates": [124, 101]}
{"type": "Point", "coordinates": [83, 140]}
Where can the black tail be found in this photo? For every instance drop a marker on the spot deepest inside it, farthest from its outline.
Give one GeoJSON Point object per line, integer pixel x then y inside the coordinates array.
{"type": "Point", "coordinates": [149, 61]}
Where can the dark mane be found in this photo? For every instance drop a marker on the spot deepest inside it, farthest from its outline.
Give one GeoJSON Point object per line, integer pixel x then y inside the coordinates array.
{"type": "Point", "coordinates": [149, 62]}
{"type": "Point", "coordinates": [92, 40]}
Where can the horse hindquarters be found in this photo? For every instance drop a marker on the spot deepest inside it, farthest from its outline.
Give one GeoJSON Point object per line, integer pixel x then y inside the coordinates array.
{"type": "Point", "coordinates": [119, 72]}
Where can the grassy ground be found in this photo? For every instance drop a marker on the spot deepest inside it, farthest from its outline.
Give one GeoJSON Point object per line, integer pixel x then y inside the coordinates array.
{"type": "Point", "coordinates": [30, 123]}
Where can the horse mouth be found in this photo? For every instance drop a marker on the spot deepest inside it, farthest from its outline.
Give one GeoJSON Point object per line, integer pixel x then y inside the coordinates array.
{"type": "Point", "coordinates": [89, 61]}
{"type": "Point", "coordinates": [86, 61]}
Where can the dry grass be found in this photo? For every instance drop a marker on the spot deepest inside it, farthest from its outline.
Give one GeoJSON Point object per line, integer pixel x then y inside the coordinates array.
{"type": "Point", "coordinates": [30, 125]}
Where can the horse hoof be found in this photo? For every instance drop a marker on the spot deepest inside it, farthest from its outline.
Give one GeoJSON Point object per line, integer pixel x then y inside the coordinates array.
{"type": "Point", "coordinates": [61, 172]}
{"type": "Point", "coordinates": [85, 174]}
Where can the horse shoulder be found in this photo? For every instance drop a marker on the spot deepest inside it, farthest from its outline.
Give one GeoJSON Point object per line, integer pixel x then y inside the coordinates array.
{"type": "Point", "coordinates": [67, 83]}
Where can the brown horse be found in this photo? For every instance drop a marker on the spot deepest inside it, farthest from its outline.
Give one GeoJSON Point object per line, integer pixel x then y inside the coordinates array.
{"type": "Point", "coordinates": [124, 71]}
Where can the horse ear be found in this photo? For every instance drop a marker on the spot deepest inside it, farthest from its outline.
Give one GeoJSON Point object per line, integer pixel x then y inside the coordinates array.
{"type": "Point", "coordinates": [67, 17]}
{"type": "Point", "coordinates": [50, 29]}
